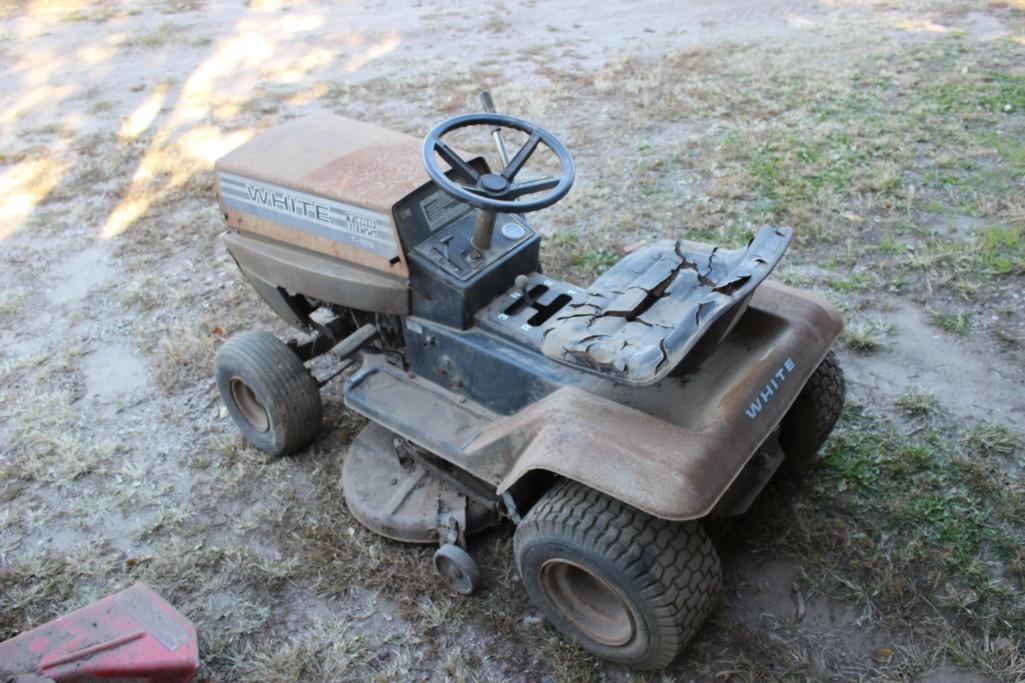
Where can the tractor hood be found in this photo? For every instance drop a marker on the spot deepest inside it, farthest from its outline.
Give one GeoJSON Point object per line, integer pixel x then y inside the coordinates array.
{"type": "Point", "coordinates": [324, 183]}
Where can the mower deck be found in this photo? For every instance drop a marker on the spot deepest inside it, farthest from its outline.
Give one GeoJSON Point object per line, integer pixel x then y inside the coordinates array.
{"type": "Point", "coordinates": [406, 496]}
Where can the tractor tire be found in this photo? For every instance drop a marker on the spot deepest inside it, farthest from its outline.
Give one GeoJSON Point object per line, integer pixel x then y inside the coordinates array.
{"type": "Point", "coordinates": [268, 392]}
{"type": "Point", "coordinates": [811, 418]}
{"type": "Point", "coordinates": [624, 585]}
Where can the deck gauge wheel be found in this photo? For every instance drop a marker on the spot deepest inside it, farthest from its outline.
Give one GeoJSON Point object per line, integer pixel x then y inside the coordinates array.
{"type": "Point", "coordinates": [457, 568]}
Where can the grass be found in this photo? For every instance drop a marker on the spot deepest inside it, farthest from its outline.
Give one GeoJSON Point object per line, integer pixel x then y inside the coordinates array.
{"type": "Point", "coordinates": [1002, 250]}
{"type": "Point", "coordinates": [593, 262]}
{"type": "Point", "coordinates": [166, 34]}
{"type": "Point", "coordinates": [878, 155]}
{"type": "Point", "coordinates": [867, 336]}
{"type": "Point", "coordinates": [955, 323]}
{"type": "Point", "coordinates": [326, 651]}
{"type": "Point", "coordinates": [97, 15]}
{"type": "Point", "coordinates": [991, 438]}
{"type": "Point", "coordinates": [186, 352]}
{"type": "Point", "coordinates": [101, 107]}
{"type": "Point", "coordinates": [905, 523]}
{"type": "Point", "coordinates": [10, 301]}
{"type": "Point", "coordinates": [917, 403]}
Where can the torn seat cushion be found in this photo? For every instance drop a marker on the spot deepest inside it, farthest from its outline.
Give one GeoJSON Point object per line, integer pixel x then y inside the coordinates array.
{"type": "Point", "coordinates": [645, 314]}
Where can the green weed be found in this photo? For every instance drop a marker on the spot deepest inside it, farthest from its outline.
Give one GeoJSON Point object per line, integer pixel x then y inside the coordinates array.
{"type": "Point", "coordinates": [954, 322]}
{"type": "Point", "coordinates": [931, 512]}
{"type": "Point", "coordinates": [917, 403]}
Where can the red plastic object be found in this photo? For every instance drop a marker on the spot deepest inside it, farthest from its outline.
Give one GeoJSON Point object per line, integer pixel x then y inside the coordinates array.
{"type": "Point", "coordinates": [131, 636]}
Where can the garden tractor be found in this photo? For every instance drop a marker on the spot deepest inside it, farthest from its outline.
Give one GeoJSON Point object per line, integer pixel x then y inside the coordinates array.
{"type": "Point", "coordinates": [605, 421]}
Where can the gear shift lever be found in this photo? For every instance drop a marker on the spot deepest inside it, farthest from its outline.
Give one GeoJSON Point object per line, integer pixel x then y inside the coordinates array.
{"type": "Point", "coordinates": [523, 284]}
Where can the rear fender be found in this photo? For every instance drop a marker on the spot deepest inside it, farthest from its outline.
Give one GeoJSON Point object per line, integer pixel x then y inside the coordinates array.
{"type": "Point", "coordinates": [678, 465]}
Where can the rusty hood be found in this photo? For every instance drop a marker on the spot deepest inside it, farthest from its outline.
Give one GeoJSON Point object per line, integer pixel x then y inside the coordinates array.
{"type": "Point", "coordinates": [324, 183]}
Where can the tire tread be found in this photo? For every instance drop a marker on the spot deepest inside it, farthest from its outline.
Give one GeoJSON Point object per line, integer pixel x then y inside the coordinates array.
{"type": "Point", "coordinates": [673, 564]}
{"type": "Point", "coordinates": [286, 384]}
{"type": "Point", "coordinates": [811, 418]}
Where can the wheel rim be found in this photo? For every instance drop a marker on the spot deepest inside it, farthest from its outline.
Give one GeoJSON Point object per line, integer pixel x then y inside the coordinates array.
{"type": "Point", "coordinates": [589, 602]}
{"type": "Point", "coordinates": [454, 576]}
{"type": "Point", "coordinates": [248, 405]}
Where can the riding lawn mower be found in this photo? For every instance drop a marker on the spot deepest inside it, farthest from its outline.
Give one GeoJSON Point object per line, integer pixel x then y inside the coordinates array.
{"type": "Point", "coordinates": [606, 421]}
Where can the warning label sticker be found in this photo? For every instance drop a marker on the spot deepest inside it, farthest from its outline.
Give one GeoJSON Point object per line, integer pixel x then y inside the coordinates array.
{"type": "Point", "coordinates": [440, 209]}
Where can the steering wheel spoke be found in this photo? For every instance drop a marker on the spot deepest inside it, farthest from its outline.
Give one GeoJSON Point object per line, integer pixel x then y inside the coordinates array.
{"type": "Point", "coordinates": [531, 186]}
{"type": "Point", "coordinates": [455, 161]}
{"type": "Point", "coordinates": [516, 163]}
{"type": "Point", "coordinates": [474, 189]}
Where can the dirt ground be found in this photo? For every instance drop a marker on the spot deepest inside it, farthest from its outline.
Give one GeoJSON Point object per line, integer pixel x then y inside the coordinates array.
{"type": "Point", "coordinates": [891, 135]}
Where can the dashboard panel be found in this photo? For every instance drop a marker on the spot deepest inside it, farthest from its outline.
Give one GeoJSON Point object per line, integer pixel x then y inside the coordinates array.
{"type": "Point", "coordinates": [437, 230]}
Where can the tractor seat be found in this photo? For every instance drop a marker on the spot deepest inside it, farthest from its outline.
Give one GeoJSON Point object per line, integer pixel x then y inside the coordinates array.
{"type": "Point", "coordinates": [660, 306]}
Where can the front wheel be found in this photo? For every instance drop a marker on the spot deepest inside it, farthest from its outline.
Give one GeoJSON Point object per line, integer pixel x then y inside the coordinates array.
{"type": "Point", "coordinates": [268, 392]}
{"type": "Point", "coordinates": [628, 587]}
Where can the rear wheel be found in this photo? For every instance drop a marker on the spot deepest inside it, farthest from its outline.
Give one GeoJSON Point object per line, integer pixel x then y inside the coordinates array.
{"type": "Point", "coordinates": [268, 392]}
{"type": "Point", "coordinates": [811, 418]}
{"type": "Point", "coordinates": [624, 585]}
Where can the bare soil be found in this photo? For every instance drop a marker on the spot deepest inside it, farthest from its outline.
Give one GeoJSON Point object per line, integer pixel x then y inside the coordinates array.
{"type": "Point", "coordinates": [117, 462]}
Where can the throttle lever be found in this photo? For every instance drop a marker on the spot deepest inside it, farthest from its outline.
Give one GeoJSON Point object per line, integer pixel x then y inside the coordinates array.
{"type": "Point", "coordinates": [496, 131]}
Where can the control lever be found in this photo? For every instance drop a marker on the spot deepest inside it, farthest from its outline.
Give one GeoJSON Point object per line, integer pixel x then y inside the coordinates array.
{"type": "Point", "coordinates": [445, 242]}
{"type": "Point", "coordinates": [496, 131]}
{"type": "Point", "coordinates": [522, 283]}
{"type": "Point", "coordinates": [447, 255]}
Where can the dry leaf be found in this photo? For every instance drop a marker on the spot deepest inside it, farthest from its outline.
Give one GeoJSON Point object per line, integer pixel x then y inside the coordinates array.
{"type": "Point", "coordinates": [1003, 645]}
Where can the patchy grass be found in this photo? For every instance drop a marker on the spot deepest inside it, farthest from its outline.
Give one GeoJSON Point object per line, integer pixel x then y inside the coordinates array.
{"type": "Point", "coordinates": [1002, 250]}
{"type": "Point", "coordinates": [917, 403]}
{"type": "Point", "coordinates": [594, 261]}
{"type": "Point", "coordinates": [98, 15]}
{"type": "Point", "coordinates": [955, 323]}
{"type": "Point", "coordinates": [10, 301]}
{"type": "Point", "coordinates": [166, 34]}
{"type": "Point", "coordinates": [867, 336]}
{"type": "Point", "coordinates": [905, 524]}
{"type": "Point", "coordinates": [187, 351]}
{"type": "Point", "coordinates": [324, 651]}
{"type": "Point", "coordinates": [990, 438]}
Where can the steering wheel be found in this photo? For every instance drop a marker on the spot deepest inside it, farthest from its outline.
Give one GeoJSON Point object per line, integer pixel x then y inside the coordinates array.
{"type": "Point", "coordinates": [498, 191]}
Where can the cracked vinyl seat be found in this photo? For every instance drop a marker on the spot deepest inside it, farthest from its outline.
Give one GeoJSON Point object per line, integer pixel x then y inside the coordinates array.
{"type": "Point", "coordinates": [664, 306]}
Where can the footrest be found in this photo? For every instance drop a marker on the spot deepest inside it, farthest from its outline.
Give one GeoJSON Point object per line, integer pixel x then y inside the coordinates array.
{"type": "Point", "coordinates": [427, 415]}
